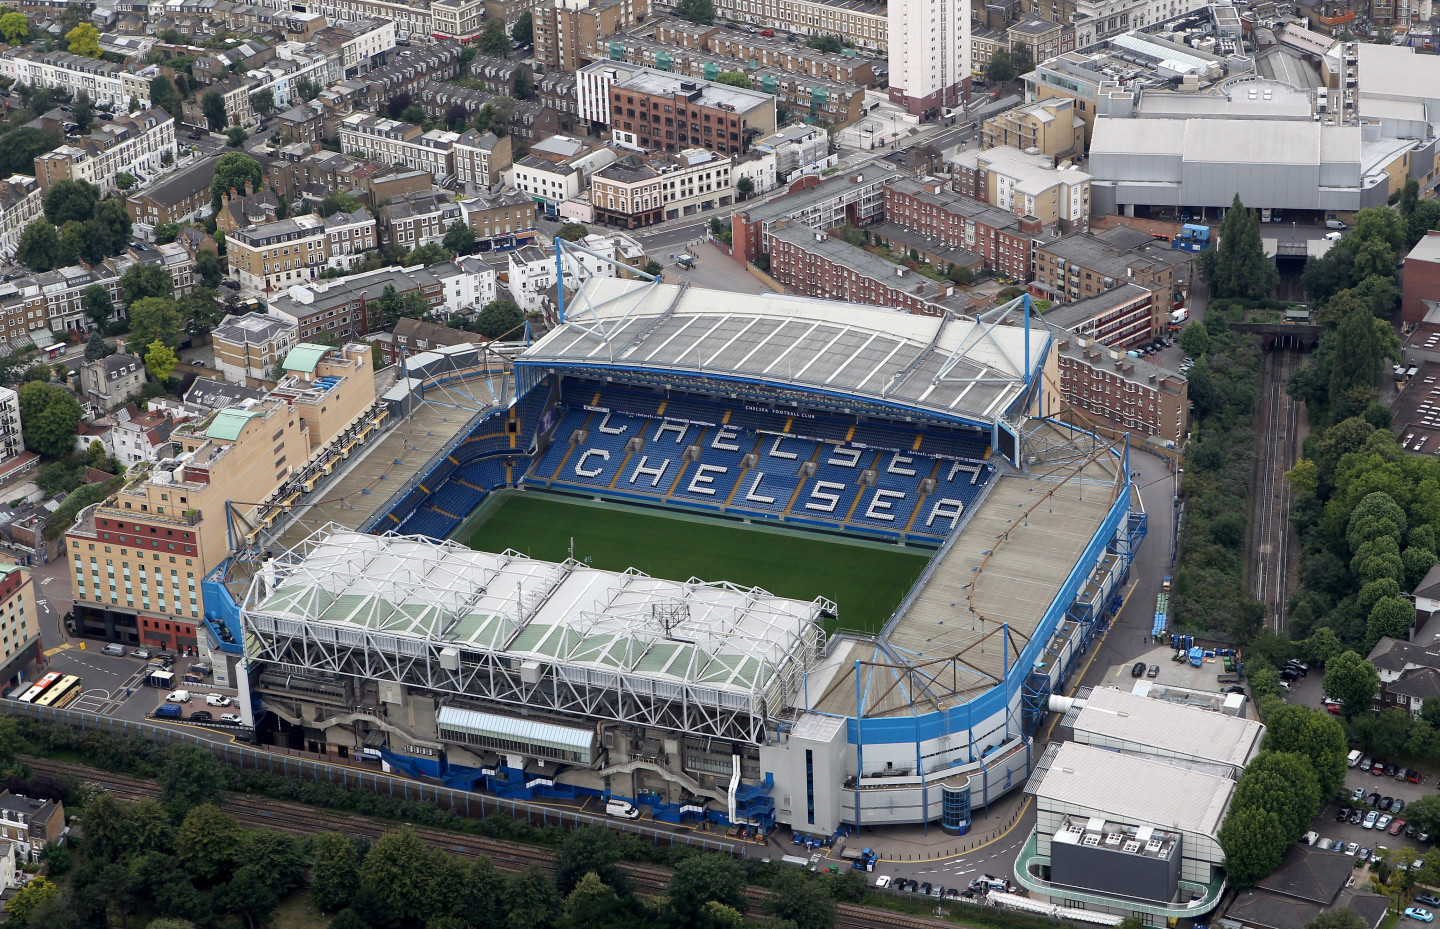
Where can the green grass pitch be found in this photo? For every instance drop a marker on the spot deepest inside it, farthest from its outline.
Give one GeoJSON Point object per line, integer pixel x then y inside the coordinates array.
{"type": "Point", "coordinates": [867, 582]}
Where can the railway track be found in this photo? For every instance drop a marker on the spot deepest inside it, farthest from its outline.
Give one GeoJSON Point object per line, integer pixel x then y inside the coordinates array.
{"type": "Point", "coordinates": [1270, 529]}
{"type": "Point", "coordinates": [508, 857]}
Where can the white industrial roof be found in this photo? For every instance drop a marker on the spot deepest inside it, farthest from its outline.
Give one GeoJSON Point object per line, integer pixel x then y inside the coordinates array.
{"type": "Point", "coordinates": [1134, 789]}
{"type": "Point", "coordinates": [529, 731]}
{"type": "Point", "coordinates": [722, 636]}
{"type": "Point", "coordinates": [1169, 728]}
{"type": "Point", "coordinates": [1397, 73]}
{"type": "Point", "coordinates": [1139, 136]}
{"type": "Point", "coordinates": [949, 366]}
{"type": "Point", "coordinates": [1248, 141]}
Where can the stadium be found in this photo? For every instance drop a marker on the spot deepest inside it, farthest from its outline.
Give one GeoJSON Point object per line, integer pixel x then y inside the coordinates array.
{"type": "Point", "coordinates": [821, 445]}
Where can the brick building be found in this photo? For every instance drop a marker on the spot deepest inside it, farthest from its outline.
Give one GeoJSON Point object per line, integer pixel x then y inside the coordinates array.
{"type": "Point", "coordinates": [1421, 278]}
{"type": "Point", "coordinates": [663, 112]}
{"type": "Point", "coordinates": [856, 199]}
{"type": "Point", "coordinates": [1122, 317]}
{"type": "Point", "coordinates": [571, 33]}
{"type": "Point", "coordinates": [1076, 267]}
{"type": "Point", "coordinates": [810, 262]}
{"type": "Point", "coordinates": [1125, 393]}
{"type": "Point", "coordinates": [1006, 243]}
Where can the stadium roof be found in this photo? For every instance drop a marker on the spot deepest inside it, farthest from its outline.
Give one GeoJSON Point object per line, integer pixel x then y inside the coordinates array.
{"type": "Point", "coordinates": [709, 633]}
{"type": "Point", "coordinates": [957, 368]}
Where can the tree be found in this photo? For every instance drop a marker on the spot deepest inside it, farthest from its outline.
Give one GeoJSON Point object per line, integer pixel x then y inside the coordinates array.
{"type": "Point", "coordinates": [1350, 679]}
{"type": "Point", "coordinates": [338, 202]}
{"type": "Point", "coordinates": [212, 104]}
{"type": "Point", "coordinates": [1339, 918]}
{"type": "Point", "coordinates": [1254, 842]}
{"type": "Point", "coordinates": [235, 136]}
{"type": "Point", "coordinates": [84, 39]}
{"type": "Point", "coordinates": [459, 239]}
{"type": "Point", "coordinates": [493, 40]}
{"type": "Point", "coordinates": [573, 232]}
{"type": "Point", "coordinates": [208, 841]}
{"type": "Point", "coordinates": [1237, 267]}
{"type": "Point", "coordinates": [701, 879]}
{"type": "Point", "coordinates": [1322, 646]}
{"type": "Point", "coordinates": [39, 246]}
{"type": "Point", "coordinates": [500, 319]}
{"type": "Point", "coordinates": [428, 254]}
{"type": "Point", "coordinates": [1001, 67]}
{"type": "Point", "coordinates": [98, 305]}
{"type": "Point", "coordinates": [83, 112]}
{"type": "Point", "coordinates": [531, 900]}
{"type": "Point", "coordinates": [164, 95]}
{"type": "Point", "coordinates": [15, 28]}
{"type": "Point", "coordinates": [111, 219]}
{"type": "Point", "coordinates": [263, 102]}
{"type": "Point", "coordinates": [524, 86]}
{"type": "Point", "coordinates": [67, 200]}
{"type": "Point", "coordinates": [39, 372]}
{"type": "Point", "coordinates": [413, 113]}
{"type": "Point", "coordinates": [1390, 616]}
{"type": "Point", "coordinates": [592, 850]}
{"type": "Point", "coordinates": [96, 347]}
{"type": "Point", "coordinates": [414, 305]}
{"type": "Point", "coordinates": [826, 42]}
{"type": "Point", "coordinates": [22, 146]}
{"type": "Point", "coordinates": [1195, 340]}
{"type": "Point", "coordinates": [523, 31]}
{"type": "Point", "coordinates": [125, 180]}
{"type": "Point", "coordinates": [1024, 61]}
{"type": "Point", "coordinates": [805, 903]}
{"type": "Point", "coordinates": [593, 905]}
{"type": "Point", "coordinates": [149, 828]}
{"type": "Point", "coordinates": [190, 775]}
{"type": "Point", "coordinates": [48, 417]}
{"type": "Point", "coordinates": [33, 895]}
{"type": "Point", "coordinates": [745, 187]}
{"type": "Point", "coordinates": [1318, 736]}
{"type": "Point", "coordinates": [249, 894]}
{"type": "Point", "coordinates": [1285, 784]}
{"type": "Point", "coordinates": [734, 79]}
{"type": "Point", "coordinates": [334, 870]}
{"type": "Point", "coordinates": [654, 268]}
{"type": "Point", "coordinates": [207, 266]}
{"type": "Point", "coordinates": [397, 868]}
{"type": "Point", "coordinates": [142, 281]}
{"type": "Point", "coordinates": [155, 319]}
{"type": "Point", "coordinates": [696, 11]}
{"type": "Point", "coordinates": [391, 306]}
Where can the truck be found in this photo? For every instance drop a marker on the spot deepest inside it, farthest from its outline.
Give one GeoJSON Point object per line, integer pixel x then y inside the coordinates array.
{"type": "Point", "coordinates": [168, 711]}
{"type": "Point", "coordinates": [860, 859]}
{"type": "Point", "coordinates": [1165, 585]}
{"type": "Point", "coordinates": [1193, 237]}
{"type": "Point", "coordinates": [1179, 316]}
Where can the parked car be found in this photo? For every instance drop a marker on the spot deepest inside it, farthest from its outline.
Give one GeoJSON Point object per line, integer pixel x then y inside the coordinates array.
{"type": "Point", "coordinates": [1352, 849]}
{"type": "Point", "coordinates": [1396, 827]}
{"type": "Point", "coordinates": [881, 882]}
{"type": "Point", "coordinates": [1334, 236]}
{"type": "Point", "coordinates": [1153, 671]}
{"type": "Point", "coordinates": [1373, 799]}
{"type": "Point", "coordinates": [1385, 803]}
{"type": "Point", "coordinates": [231, 718]}
{"type": "Point", "coordinates": [1356, 816]}
{"type": "Point", "coordinates": [114, 648]}
{"type": "Point", "coordinates": [1397, 806]}
{"type": "Point", "coordinates": [217, 700]}
{"type": "Point", "coordinates": [1370, 818]}
{"type": "Point", "coordinates": [142, 653]}
{"type": "Point", "coordinates": [178, 696]}
{"type": "Point", "coordinates": [1391, 768]}
{"type": "Point", "coordinates": [1378, 768]}
{"type": "Point", "coordinates": [1427, 900]}
{"type": "Point", "coordinates": [925, 888]}
{"type": "Point", "coordinates": [1364, 853]}
{"type": "Point", "coordinates": [1138, 670]}
{"type": "Point", "coordinates": [1325, 844]}
{"type": "Point", "coordinates": [201, 716]}
{"type": "Point", "coordinates": [1414, 912]}
{"type": "Point", "coordinates": [1358, 794]}
{"type": "Point", "coordinates": [1343, 814]}
{"type": "Point", "coordinates": [1384, 821]}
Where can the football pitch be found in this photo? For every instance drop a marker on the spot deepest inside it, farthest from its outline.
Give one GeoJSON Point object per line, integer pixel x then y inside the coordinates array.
{"type": "Point", "coordinates": [866, 581]}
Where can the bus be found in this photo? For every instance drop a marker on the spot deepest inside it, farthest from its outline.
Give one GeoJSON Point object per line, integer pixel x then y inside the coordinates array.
{"type": "Point", "coordinates": [61, 693]}
{"type": "Point", "coordinates": [42, 685]}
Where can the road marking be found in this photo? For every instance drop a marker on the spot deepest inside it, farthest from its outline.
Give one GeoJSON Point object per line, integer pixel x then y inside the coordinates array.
{"type": "Point", "coordinates": [57, 650]}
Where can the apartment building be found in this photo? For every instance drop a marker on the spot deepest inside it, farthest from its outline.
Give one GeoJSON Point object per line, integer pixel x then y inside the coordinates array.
{"type": "Point", "coordinates": [1004, 242]}
{"type": "Point", "coordinates": [19, 633]}
{"type": "Point", "coordinates": [11, 443]}
{"type": "Point", "coordinates": [531, 279]}
{"type": "Point", "coordinates": [856, 199]}
{"type": "Point", "coordinates": [1122, 317]}
{"type": "Point", "coordinates": [1125, 393]}
{"type": "Point", "coordinates": [361, 43]}
{"type": "Point", "coordinates": [754, 50]}
{"type": "Point", "coordinates": [461, 20]}
{"type": "Point", "coordinates": [27, 822]}
{"type": "Point", "coordinates": [178, 198]}
{"type": "Point", "coordinates": [412, 336]}
{"type": "Point", "coordinates": [235, 91]}
{"type": "Point", "coordinates": [410, 19]}
{"type": "Point", "coordinates": [858, 21]}
{"type": "Point", "coordinates": [811, 262]}
{"type": "Point", "coordinates": [798, 150]}
{"type": "Point", "coordinates": [639, 191]}
{"type": "Point", "coordinates": [500, 221]}
{"type": "Point", "coordinates": [592, 90]}
{"type": "Point", "coordinates": [929, 54]}
{"type": "Point", "coordinates": [1025, 184]}
{"type": "Point", "coordinates": [295, 250]}
{"type": "Point", "coordinates": [1072, 76]}
{"type": "Point", "coordinates": [658, 111]}
{"type": "Point", "coordinates": [346, 307]}
{"type": "Point", "coordinates": [481, 158]}
{"type": "Point", "coordinates": [391, 142]}
{"type": "Point", "coordinates": [54, 300]}
{"type": "Point", "coordinates": [133, 144]}
{"type": "Point", "coordinates": [141, 437]}
{"type": "Point", "coordinates": [21, 201]}
{"type": "Point", "coordinates": [1079, 266]}
{"type": "Point", "coordinates": [1048, 127]}
{"type": "Point", "coordinates": [112, 380]}
{"type": "Point", "coordinates": [408, 71]}
{"type": "Point", "coordinates": [417, 219]}
{"type": "Point", "coordinates": [571, 33]}
{"type": "Point", "coordinates": [140, 557]}
{"type": "Point", "coordinates": [249, 346]}
{"type": "Point", "coordinates": [104, 81]}
{"type": "Point", "coordinates": [559, 169]}
{"type": "Point", "coordinates": [1043, 38]}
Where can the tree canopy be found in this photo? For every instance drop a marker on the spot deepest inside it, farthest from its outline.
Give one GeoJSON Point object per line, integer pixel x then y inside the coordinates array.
{"type": "Point", "coordinates": [84, 39]}
{"type": "Point", "coordinates": [500, 319]}
{"type": "Point", "coordinates": [48, 416]}
{"type": "Point", "coordinates": [1237, 266]}
{"type": "Point", "coordinates": [701, 12]}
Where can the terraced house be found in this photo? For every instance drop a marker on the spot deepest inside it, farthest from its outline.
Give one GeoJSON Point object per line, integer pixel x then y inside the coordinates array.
{"type": "Point", "coordinates": [134, 144]}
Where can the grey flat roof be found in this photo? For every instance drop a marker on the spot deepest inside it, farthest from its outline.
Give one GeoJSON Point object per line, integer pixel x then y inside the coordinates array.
{"type": "Point", "coordinates": [874, 354]}
{"type": "Point", "coordinates": [1167, 727]}
{"type": "Point", "coordinates": [1135, 789]}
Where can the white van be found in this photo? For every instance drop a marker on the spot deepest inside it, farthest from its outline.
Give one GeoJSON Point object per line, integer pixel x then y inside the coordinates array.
{"type": "Point", "coordinates": [178, 696]}
{"type": "Point", "coordinates": [622, 809]}
{"type": "Point", "coordinates": [1352, 759]}
{"type": "Point", "coordinates": [114, 648]}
